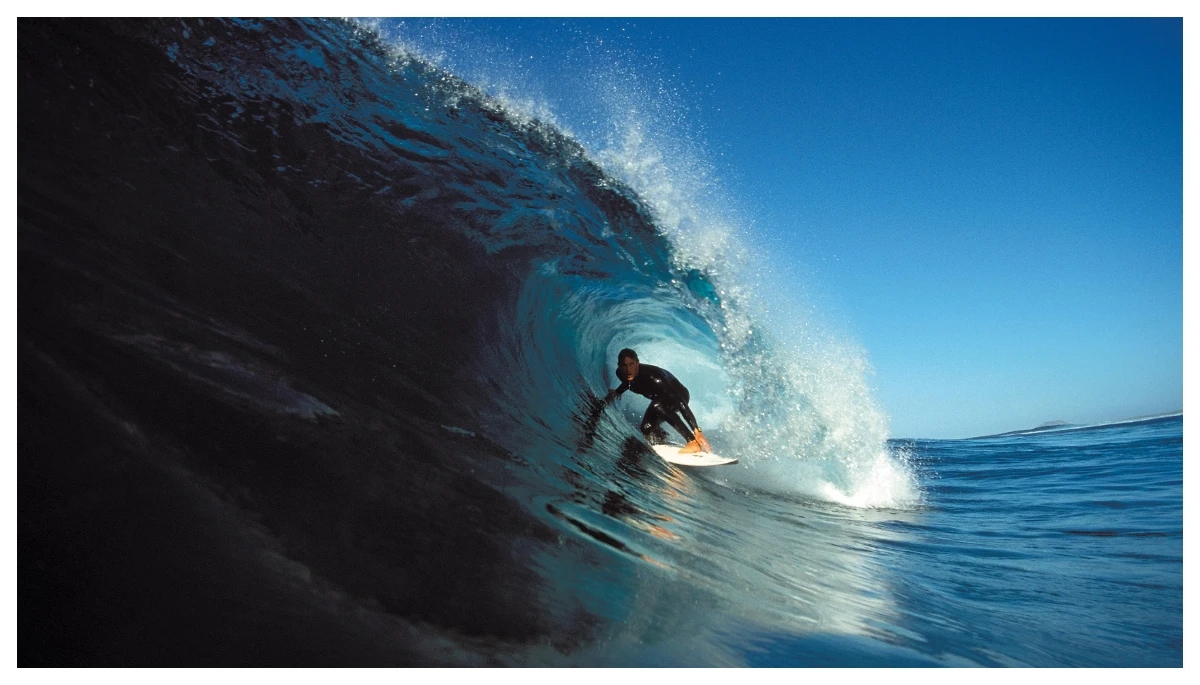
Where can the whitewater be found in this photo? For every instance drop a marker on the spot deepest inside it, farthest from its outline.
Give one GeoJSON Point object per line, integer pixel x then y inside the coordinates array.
{"type": "Point", "coordinates": [310, 329]}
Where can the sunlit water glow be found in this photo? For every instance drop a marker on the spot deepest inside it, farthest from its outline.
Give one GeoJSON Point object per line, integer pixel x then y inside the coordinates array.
{"type": "Point", "coordinates": [326, 323]}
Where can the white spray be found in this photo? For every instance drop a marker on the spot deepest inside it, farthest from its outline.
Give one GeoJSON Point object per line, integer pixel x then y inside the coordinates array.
{"type": "Point", "coordinates": [788, 399]}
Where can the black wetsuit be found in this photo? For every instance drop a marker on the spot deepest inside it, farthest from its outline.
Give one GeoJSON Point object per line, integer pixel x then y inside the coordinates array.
{"type": "Point", "coordinates": [668, 399]}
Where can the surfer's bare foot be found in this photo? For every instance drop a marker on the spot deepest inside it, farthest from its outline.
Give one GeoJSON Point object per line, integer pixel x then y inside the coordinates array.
{"type": "Point", "coordinates": [704, 446]}
{"type": "Point", "coordinates": [690, 448]}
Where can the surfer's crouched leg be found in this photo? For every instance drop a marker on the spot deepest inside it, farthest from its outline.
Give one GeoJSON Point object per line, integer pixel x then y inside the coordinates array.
{"type": "Point", "coordinates": [656, 413]}
{"type": "Point", "coordinates": [681, 428]}
{"type": "Point", "coordinates": [694, 443]}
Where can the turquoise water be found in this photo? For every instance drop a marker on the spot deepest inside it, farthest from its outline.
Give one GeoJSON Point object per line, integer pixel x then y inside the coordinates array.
{"type": "Point", "coordinates": [310, 334]}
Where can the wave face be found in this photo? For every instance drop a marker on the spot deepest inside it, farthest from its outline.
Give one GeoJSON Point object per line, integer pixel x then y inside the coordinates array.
{"type": "Point", "coordinates": [309, 335]}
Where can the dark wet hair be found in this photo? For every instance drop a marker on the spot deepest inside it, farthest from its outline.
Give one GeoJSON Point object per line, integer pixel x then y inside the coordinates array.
{"type": "Point", "coordinates": [627, 353]}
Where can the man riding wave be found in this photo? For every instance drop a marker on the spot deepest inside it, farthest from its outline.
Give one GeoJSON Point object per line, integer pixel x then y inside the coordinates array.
{"type": "Point", "coordinates": [668, 401]}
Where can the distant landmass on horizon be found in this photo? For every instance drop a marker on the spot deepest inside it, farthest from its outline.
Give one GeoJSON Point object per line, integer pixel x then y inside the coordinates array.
{"type": "Point", "coordinates": [1058, 425]}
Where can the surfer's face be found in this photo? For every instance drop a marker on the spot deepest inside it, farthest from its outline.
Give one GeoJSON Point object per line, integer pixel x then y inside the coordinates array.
{"type": "Point", "coordinates": [627, 369]}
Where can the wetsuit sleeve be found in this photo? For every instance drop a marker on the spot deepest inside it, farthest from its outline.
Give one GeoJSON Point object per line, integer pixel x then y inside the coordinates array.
{"type": "Point", "coordinates": [612, 394]}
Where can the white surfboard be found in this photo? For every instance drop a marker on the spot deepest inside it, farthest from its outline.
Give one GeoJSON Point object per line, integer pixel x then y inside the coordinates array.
{"type": "Point", "coordinates": [671, 454]}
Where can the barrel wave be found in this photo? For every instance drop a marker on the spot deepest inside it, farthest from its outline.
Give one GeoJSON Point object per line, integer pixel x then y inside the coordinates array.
{"type": "Point", "coordinates": [311, 336]}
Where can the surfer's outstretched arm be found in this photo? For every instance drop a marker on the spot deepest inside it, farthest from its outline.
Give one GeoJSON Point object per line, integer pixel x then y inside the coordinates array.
{"type": "Point", "coordinates": [616, 392]}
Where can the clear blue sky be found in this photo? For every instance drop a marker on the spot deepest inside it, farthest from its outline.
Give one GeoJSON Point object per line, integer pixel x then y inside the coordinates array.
{"type": "Point", "coordinates": [991, 208]}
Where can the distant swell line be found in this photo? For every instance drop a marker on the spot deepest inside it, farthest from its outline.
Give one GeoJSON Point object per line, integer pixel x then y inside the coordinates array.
{"type": "Point", "coordinates": [1113, 534]}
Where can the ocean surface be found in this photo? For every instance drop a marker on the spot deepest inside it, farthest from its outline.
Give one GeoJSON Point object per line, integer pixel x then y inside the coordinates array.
{"type": "Point", "coordinates": [311, 333]}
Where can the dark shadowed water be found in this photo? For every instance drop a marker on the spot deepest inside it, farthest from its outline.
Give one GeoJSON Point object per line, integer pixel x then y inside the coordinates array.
{"type": "Point", "coordinates": [309, 334]}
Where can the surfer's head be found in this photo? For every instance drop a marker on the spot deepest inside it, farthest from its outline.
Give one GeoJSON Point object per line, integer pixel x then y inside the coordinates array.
{"type": "Point", "coordinates": [627, 365]}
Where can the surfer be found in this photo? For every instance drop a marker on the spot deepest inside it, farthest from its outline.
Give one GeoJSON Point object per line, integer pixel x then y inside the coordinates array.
{"type": "Point", "coordinates": [668, 400]}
